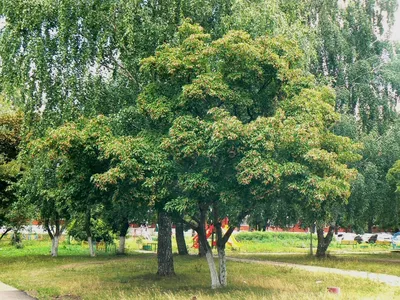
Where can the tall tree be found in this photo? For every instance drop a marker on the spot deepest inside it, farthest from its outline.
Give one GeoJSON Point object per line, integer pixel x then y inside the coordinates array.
{"type": "Point", "coordinates": [223, 101]}
{"type": "Point", "coordinates": [347, 45]}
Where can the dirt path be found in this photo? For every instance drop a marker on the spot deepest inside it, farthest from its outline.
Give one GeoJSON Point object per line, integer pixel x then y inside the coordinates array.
{"type": "Point", "coordinates": [388, 279]}
{"type": "Point", "coordinates": [9, 293]}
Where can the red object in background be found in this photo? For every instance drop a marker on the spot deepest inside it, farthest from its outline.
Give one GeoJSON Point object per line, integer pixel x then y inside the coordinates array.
{"type": "Point", "coordinates": [334, 290]}
{"type": "Point", "coordinates": [209, 232]}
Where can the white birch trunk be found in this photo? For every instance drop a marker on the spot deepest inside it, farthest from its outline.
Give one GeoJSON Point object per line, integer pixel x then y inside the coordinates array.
{"type": "Point", "coordinates": [91, 249]}
{"type": "Point", "coordinates": [213, 271]}
{"type": "Point", "coordinates": [54, 245]}
{"type": "Point", "coordinates": [222, 267]}
{"type": "Point", "coordinates": [121, 249]}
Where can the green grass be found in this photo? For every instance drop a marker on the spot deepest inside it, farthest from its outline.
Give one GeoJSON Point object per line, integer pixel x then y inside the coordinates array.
{"type": "Point", "coordinates": [376, 263]}
{"type": "Point", "coordinates": [75, 275]}
{"type": "Point", "coordinates": [267, 242]}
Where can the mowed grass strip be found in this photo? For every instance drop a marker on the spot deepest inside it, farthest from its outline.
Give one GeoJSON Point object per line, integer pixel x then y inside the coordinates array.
{"type": "Point", "coordinates": [133, 277]}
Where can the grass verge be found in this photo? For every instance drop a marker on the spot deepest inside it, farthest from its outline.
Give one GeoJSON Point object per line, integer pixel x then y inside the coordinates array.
{"type": "Point", "coordinates": [74, 275]}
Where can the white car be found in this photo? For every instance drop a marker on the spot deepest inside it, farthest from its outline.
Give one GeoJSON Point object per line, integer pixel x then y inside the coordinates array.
{"type": "Point", "coordinates": [365, 237]}
{"type": "Point", "coordinates": [384, 238]}
{"type": "Point", "coordinates": [381, 238]}
{"type": "Point", "coordinates": [346, 237]}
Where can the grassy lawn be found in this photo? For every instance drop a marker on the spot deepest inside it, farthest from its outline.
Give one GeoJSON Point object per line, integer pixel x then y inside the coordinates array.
{"type": "Point", "coordinates": [74, 275]}
{"type": "Point", "coordinates": [265, 242]}
{"type": "Point", "coordinates": [388, 263]}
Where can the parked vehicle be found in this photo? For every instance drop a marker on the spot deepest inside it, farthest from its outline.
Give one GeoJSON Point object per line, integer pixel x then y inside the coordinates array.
{"type": "Point", "coordinates": [381, 239]}
{"type": "Point", "coordinates": [358, 239]}
{"type": "Point", "coordinates": [346, 238]}
{"type": "Point", "coordinates": [365, 237]}
{"type": "Point", "coordinates": [396, 241]}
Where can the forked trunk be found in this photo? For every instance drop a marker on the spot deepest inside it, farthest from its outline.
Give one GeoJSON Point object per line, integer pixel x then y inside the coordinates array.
{"type": "Point", "coordinates": [164, 251]}
{"type": "Point", "coordinates": [180, 239]}
{"type": "Point", "coordinates": [91, 248]}
{"type": "Point", "coordinates": [222, 239]}
{"type": "Point", "coordinates": [54, 232]}
{"type": "Point", "coordinates": [54, 245]}
{"type": "Point", "coordinates": [324, 241]}
{"type": "Point", "coordinates": [215, 283]}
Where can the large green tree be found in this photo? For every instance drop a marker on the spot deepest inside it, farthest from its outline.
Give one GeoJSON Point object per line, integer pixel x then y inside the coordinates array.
{"type": "Point", "coordinates": [246, 124]}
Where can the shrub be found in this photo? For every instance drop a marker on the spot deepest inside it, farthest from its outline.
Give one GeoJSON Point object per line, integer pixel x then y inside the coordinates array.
{"type": "Point", "coordinates": [266, 237]}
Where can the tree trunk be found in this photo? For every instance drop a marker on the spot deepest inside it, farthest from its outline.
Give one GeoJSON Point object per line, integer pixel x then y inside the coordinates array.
{"type": "Point", "coordinates": [180, 239]}
{"type": "Point", "coordinates": [323, 242]}
{"type": "Point", "coordinates": [223, 276]}
{"type": "Point", "coordinates": [202, 252]}
{"type": "Point", "coordinates": [54, 232]}
{"type": "Point", "coordinates": [215, 283]}
{"type": "Point", "coordinates": [121, 247]}
{"type": "Point", "coordinates": [91, 248]}
{"type": "Point", "coordinates": [213, 270]}
{"type": "Point", "coordinates": [370, 224]}
{"type": "Point", "coordinates": [54, 245]}
{"type": "Point", "coordinates": [164, 251]}
{"type": "Point", "coordinates": [122, 237]}
{"type": "Point", "coordinates": [89, 233]}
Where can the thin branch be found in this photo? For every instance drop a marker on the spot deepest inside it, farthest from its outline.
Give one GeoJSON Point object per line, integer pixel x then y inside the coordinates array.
{"type": "Point", "coordinates": [5, 232]}
{"type": "Point", "coordinates": [191, 223]}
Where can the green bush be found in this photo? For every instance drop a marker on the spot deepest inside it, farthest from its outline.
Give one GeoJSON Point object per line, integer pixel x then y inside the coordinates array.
{"type": "Point", "coordinates": [267, 237]}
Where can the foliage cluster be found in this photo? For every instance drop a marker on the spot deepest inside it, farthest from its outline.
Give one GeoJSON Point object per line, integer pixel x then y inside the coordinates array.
{"type": "Point", "coordinates": [266, 237]}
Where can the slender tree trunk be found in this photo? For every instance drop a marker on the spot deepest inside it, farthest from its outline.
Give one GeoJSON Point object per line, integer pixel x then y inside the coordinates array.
{"type": "Point", "coordinates": [223, 276]}
{"type": "Point", "coordinates": [121, 246]}
{"type": "Point", "coordinates": [164, 251]}
{"type": "Point", "coordinates": [221, 244]}
{"type": "Point", "coordinates": [89, 233]}
{"type": "Point", "coordinates": [180, 239]}
{"type": "Point", "coordinates": [122, 237]}
{"type": "Point", "coordinates": [202, 252]}
{"type": "Point", "coordinates": [91, 248]}
{"type": "Point", "coordinates": [215, 283]}
{"type": "Point", "coordinates": [213, 270]}
{"type": "Point", "coordinates": [54, 245]}
{"type": "Point", "coordinates": [324, 241]}
{"type": "Point", "coordinates": [370, 226]}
